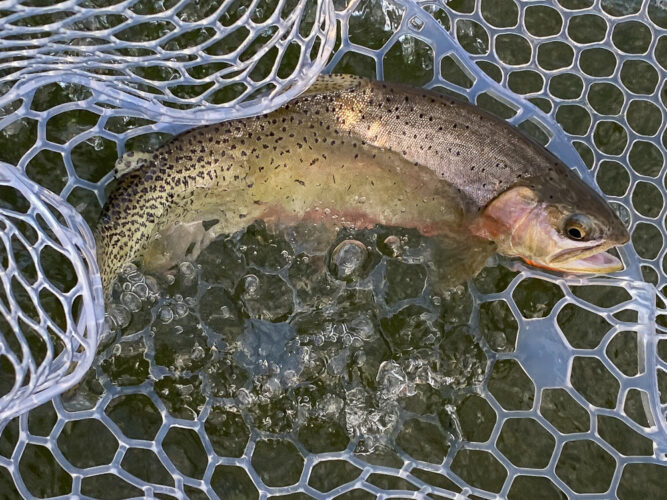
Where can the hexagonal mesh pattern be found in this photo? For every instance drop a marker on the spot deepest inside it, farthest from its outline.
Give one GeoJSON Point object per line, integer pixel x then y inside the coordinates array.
{"type": "Point", "coordinates": [523, 382]}
{"type": "Point", "coordinates": [185, 62]}
{"type": "Point", "coordinates": [45, 347]}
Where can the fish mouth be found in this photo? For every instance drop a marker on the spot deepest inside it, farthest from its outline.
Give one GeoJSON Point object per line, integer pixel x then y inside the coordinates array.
{"type": "Point", "coordinates": [591, 259]}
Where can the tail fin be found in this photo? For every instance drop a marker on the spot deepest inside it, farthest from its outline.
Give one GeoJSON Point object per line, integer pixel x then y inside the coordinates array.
{"type": "Point", "coordinates": [132, 160]}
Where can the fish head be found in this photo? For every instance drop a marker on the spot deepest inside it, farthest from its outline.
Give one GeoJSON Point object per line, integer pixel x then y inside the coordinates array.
{"type": "Point", "coordinates": [563, 226]}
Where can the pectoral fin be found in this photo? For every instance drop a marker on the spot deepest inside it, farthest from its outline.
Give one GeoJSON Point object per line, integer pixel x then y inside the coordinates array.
{"type": "Point", "coordinates": [455, 259]}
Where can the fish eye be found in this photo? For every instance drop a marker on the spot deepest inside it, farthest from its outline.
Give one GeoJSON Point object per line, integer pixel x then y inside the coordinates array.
{"type": "Point", "coordinates": [577, 227]}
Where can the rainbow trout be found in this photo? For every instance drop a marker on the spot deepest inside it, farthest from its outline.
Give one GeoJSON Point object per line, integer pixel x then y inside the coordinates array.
{"type": "Point", "coordinates": [355, 153]}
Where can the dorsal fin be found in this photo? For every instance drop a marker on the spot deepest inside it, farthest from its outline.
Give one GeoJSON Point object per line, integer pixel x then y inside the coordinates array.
{"type": "Point", "coordinates": [132, 160]}
{"type": "Point", "coordinates": [336, 82]}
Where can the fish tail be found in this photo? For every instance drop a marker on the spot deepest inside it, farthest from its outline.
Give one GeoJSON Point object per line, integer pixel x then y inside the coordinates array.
{"type": "Point", "coordinates": [132, 160]}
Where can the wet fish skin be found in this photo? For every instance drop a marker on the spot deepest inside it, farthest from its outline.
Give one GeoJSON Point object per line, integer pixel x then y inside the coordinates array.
{"type": "Point", "coordinates": [352, 152]}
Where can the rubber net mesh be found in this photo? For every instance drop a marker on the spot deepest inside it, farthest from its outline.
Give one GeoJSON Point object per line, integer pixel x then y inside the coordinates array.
{"type": "Point", "coordinates": [516, 384]}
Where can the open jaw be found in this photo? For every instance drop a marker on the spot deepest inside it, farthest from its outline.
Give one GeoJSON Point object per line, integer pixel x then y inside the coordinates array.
{"type": "Point", "coordinates": [591, 259]}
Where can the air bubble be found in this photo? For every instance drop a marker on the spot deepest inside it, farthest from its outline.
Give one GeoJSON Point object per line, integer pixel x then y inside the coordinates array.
{"type": "Point", "coordinates": [393, 382]}
{"type": "Point", "coordinates": [622, 212]}
{"type": "Point", "coordinates": [187, 270]}
{"type": "Point", "coordinates": [120, 315]}
{"type": "Point", "coordinates": [392, 246]}
{"type": "Point", "coordinates": [271, 388]}
{"type": "Point", "coordinates": [131, 301]}
{"type": "Point", "coordinates": [166, 315]}
{"type": "Point", "coordinates": [140, 290]}
{"type": "Point", "coordinates": [197, 352]}
{"type": "Point", "coordinates": [135, 277]}
{"type": "Point", "coordinates": [128, 270]}
{"type": "Point", "coordinates": [290, 378]}
{"type": "Point", "coordinates": [152, 286]}
{"type": "Point", "coordinates": [250, 284]}
{"type": "Point", "coordinates": [180, 309]}
{"type": "Point", "coordinates": [244, 398]}
{"type": "Point", "coordinates": [359, 358]}
{"type": "Point", "coordinates": [348, 258]}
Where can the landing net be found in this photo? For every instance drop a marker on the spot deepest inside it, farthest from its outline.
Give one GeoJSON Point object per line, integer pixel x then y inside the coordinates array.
{"type": "Point", "coordinates": [567, 372]}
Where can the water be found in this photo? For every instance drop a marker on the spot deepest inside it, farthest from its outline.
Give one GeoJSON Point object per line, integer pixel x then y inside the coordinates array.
{"type": "Point", "coordinates": [289, 336]}
{"type": "Point", "coordinates": [268, 338]}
